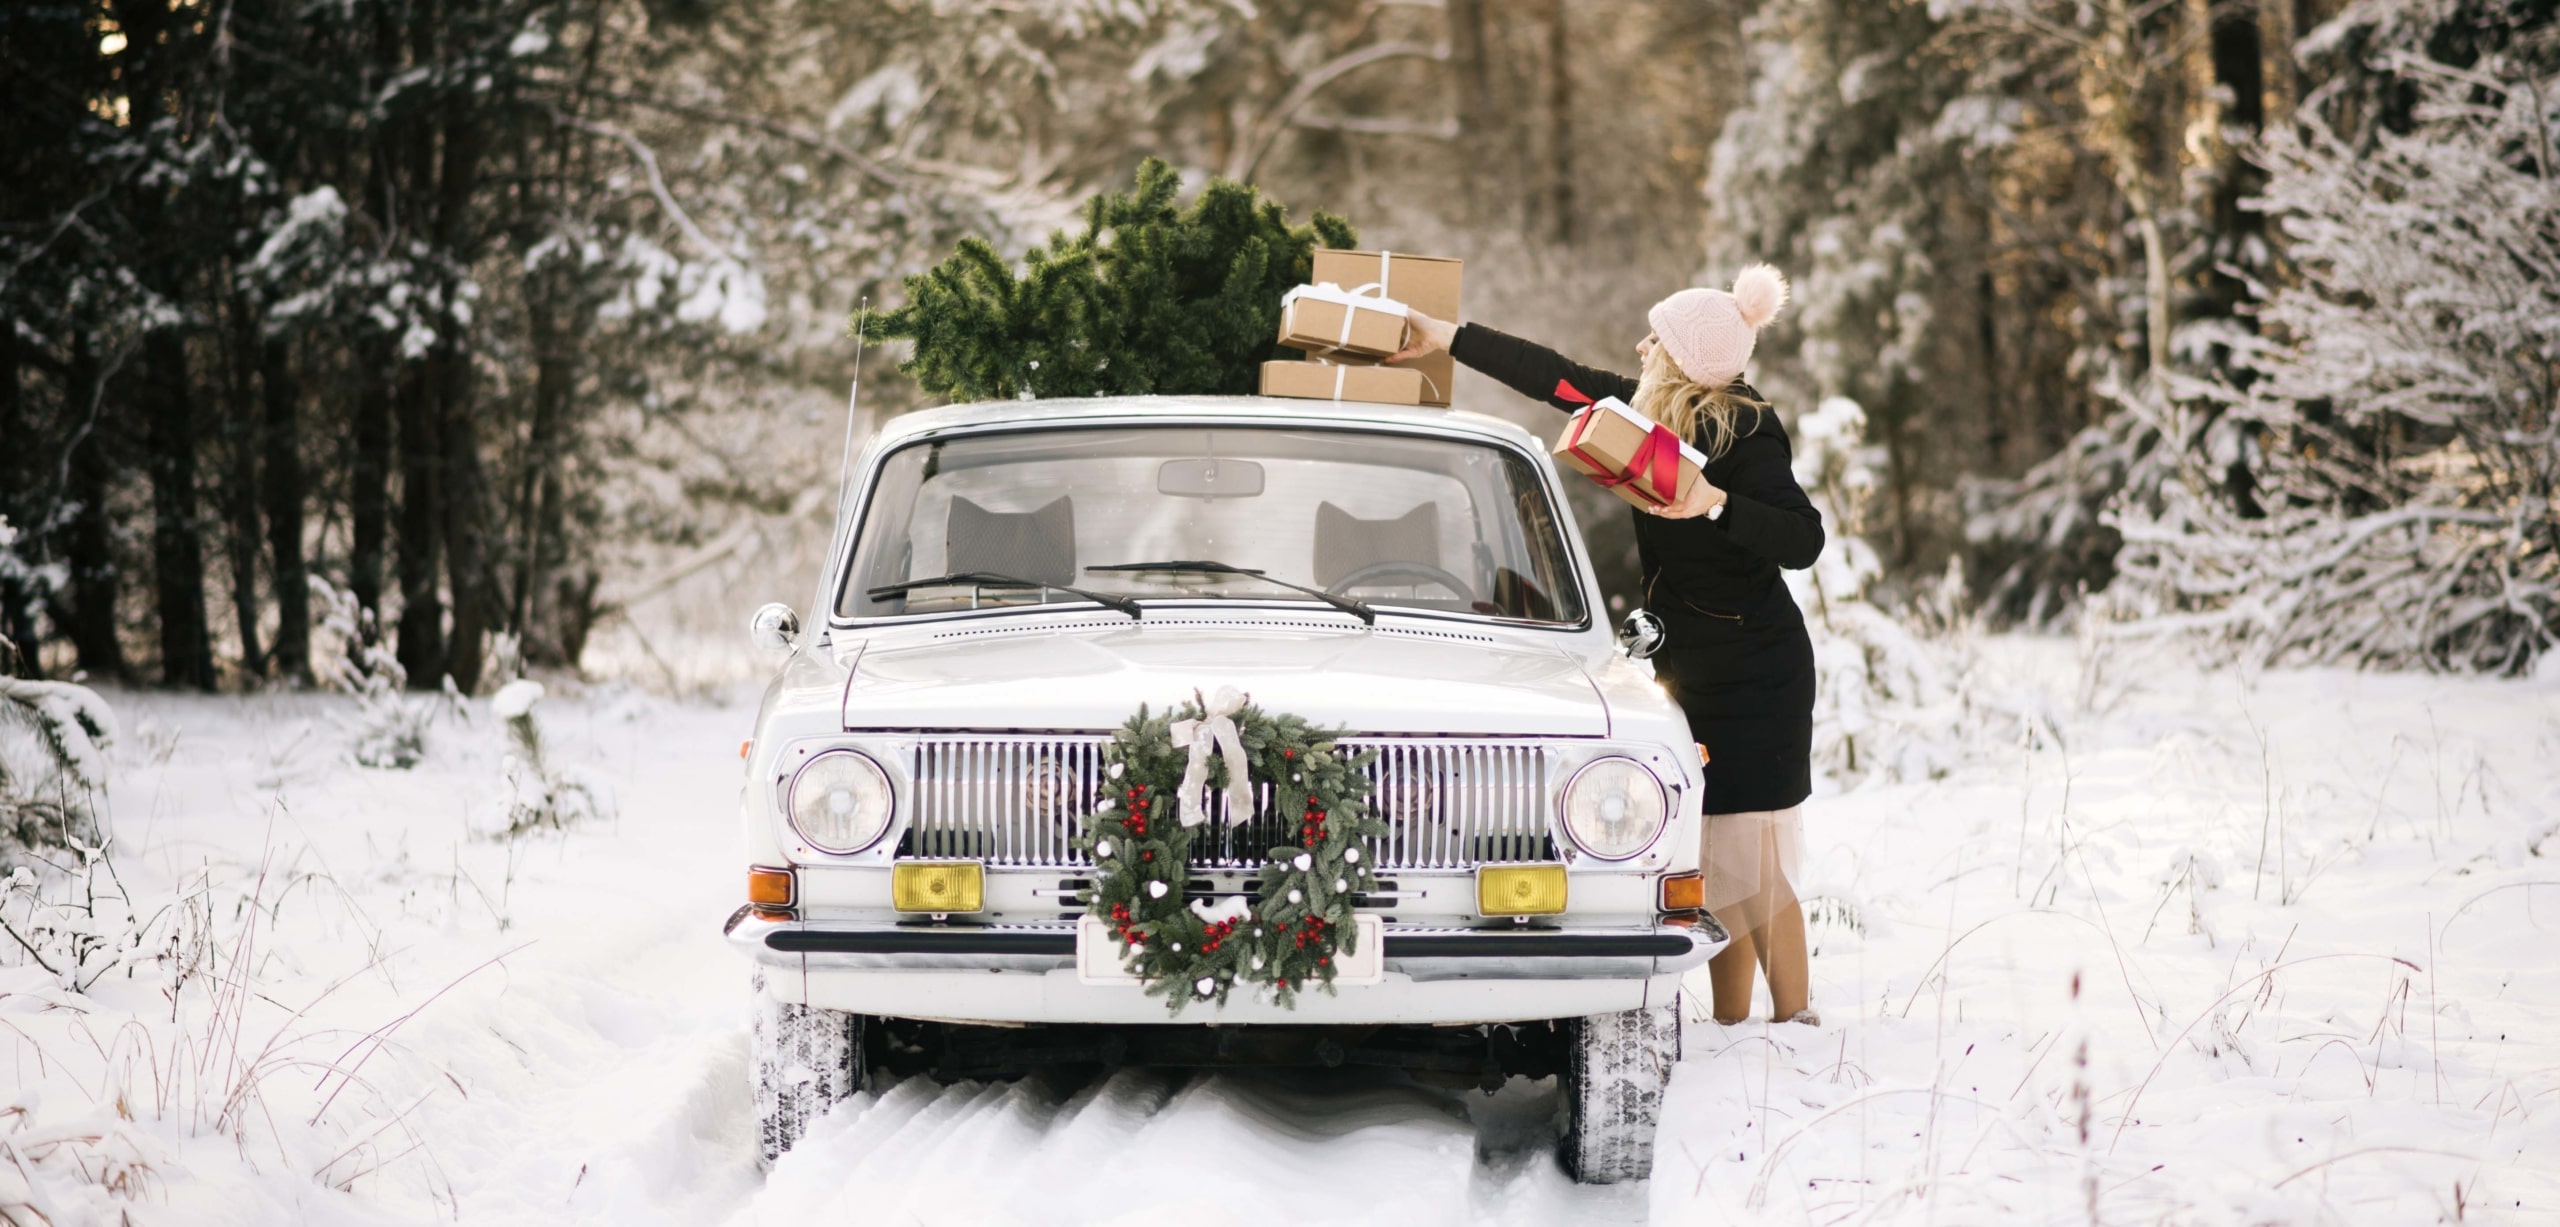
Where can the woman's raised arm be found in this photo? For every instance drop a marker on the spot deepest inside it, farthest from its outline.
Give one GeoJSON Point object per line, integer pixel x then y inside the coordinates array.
{"type": "Point", "coordinates": [1526, 367]}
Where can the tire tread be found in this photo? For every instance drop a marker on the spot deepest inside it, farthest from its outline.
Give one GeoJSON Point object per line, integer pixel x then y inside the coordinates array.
{"type": "Point", "coordinates": [806, 1061]}
{"type": "Point", "coordinates": [1613, 1084]}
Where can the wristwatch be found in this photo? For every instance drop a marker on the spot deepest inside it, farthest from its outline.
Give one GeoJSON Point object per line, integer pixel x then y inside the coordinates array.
{"type": "Point", "coordinates": [1717, 512]}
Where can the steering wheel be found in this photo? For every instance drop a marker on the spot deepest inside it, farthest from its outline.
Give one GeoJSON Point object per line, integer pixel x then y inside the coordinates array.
{"type": "Point", "coordinates": [1411, 570]}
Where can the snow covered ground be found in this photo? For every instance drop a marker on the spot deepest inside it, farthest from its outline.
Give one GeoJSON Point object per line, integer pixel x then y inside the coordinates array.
{"type": "Point", "coordinates": [2311, 936]}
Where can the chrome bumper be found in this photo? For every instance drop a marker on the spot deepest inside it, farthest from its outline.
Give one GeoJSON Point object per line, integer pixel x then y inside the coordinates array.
{"type": "Point", "coordinates": [1433, 974]}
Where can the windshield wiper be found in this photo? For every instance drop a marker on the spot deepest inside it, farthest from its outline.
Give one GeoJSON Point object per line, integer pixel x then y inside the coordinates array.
{"type": "Point", "coordinates": [1206, 567]}
{"type": "Point", "coordinates": [990, 579]}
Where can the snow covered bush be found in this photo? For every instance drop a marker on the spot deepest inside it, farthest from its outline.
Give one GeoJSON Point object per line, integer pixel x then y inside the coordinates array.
{"type": "Point", "coordinates": [53, 766]}
{"type": "Point", "coordinates": [74, 920]}
{"type": "Point", "coordinates": [23, 587]}
{"type": "Point", "coordinates": [390, 729]}
{"type": "Point", "coordinates": [2398, 414]}
{"type": "Point", "coordinates": [534, 793]}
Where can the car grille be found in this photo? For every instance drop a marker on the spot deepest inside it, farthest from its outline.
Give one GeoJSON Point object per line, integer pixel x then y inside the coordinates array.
{"type": "Point", "coordinates": [1017, 802]}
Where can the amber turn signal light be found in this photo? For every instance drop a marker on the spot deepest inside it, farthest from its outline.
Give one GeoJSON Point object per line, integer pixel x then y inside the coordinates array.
{"type": "Point", "coordinates": [937, 886]}
{"type": "Point", "coordinates": [1520, 890]}
{"type": "Point", "coordinates": [1684, 892]}
{"type": "Point", "coordinates": [768, 887]}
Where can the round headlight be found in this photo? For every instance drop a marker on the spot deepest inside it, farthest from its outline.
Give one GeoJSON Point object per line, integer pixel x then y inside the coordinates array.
{"type": "Point", "coordinates": [1614, 808]}
{"type": "Point", "coordinates": [840, 802]}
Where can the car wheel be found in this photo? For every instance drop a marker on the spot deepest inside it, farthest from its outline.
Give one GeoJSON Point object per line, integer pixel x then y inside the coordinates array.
{"type": "Point", "coordinates": [1614, 1076]}
{"type": "Point", "coordinates": [806, 1061]}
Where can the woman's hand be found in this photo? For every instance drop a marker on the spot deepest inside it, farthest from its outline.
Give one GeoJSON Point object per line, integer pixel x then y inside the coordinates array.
{"type": "Point", "coordinates": [1423, 334]}
{"type": "Point", "coordinates": [1702, 498]}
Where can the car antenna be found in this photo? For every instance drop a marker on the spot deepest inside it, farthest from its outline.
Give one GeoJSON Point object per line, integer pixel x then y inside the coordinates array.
{"type": "Point", "coordinates": [852, 409]}
{"type": "Point", "coordinates": [852, 414]}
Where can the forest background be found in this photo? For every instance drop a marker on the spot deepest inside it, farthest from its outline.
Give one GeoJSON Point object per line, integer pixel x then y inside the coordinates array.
{"type": "Point", "coordinates": [508, 333]}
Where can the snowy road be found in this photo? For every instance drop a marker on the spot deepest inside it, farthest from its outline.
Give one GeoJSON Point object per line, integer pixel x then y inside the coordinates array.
{"type": "Point", "coordinates": [2310, 930]}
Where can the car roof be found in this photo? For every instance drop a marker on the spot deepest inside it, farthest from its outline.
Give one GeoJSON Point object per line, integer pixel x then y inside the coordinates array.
{"type": "Point", "coordinates": [1201, 409]}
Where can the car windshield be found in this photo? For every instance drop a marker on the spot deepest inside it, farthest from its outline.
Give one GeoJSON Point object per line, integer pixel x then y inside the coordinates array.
{"type": "Point", "coordinates": [1389, 521]}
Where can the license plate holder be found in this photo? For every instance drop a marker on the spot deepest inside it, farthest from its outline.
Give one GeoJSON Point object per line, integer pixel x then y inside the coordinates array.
{"type": "Point", "coordinates": [1098, 955]}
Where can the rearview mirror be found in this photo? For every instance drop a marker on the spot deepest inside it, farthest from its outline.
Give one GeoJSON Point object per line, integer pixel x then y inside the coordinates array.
{"type": "Point", "coordinates": [773, 628]}
{"type": "Point", "coordinates": [1209, 478]}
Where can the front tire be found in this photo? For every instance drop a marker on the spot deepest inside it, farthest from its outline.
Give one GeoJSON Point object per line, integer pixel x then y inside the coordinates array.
{"type": "Point", "coordinates": [1615, 1071]}
{"type": "Point", "coordinates": [807, 1060]}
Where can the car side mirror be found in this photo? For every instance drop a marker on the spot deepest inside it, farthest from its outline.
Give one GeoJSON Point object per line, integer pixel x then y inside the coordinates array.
{"type": "Point", "coordinates": [1640, 635]}
{"type": "Point", "coordinates": [773, 628]}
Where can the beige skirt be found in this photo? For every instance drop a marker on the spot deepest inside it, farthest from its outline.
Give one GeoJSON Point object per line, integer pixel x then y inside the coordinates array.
{"type": "Point", "coordinates": [1737, 848]}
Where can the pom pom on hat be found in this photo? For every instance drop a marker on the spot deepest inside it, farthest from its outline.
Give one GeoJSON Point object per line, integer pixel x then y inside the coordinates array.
{"type": "Point", "coordinates": [1711, 333]}
{"type": "Point", "coordinates": [1758, 294]}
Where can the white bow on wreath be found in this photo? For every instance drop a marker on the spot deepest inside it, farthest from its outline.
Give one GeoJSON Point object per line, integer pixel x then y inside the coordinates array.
{"type": "Point", "coordinates": [1215, 733]}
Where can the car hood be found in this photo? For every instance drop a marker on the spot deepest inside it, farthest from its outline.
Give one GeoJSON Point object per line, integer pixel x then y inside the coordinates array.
{"type": "Point", "coordinates": [1367, 680]}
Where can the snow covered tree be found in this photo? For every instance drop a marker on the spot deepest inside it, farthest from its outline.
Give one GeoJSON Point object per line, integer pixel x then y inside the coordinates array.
{"type": "Point", "coordinates": [2404, 423]}
{"type": "Point", "coordinates": [1888, 703]}
{"type": "Point", "coordinates": [1150, 297]}
{"type": "Point", "coordinates": [1846, 165]}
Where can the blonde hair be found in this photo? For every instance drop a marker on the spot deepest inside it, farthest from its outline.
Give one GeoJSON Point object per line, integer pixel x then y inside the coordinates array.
{"type": "Point", "coordinates": [1707, 417]}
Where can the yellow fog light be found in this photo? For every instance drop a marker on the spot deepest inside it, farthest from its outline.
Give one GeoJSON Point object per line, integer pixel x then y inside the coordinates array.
{"type": "Point", "coordinates": [1519, 890]}
{"type": "Point", "coordinates": [937, 886]}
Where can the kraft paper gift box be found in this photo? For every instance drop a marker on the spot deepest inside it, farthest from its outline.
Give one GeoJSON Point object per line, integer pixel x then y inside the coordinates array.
{"type": "Point", "coordinates": [1631, 455]}
{"type": "Point", "coordinates": [1325, 319]}
{"type": "Point", "coordinates": [1377, 385]}
{"type": "Point", "coordinates": [1428, 284]}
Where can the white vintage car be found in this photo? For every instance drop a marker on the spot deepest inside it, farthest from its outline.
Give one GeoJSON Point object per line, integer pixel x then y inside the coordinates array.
{"type": "Point", "coordinates": [1010, 581]}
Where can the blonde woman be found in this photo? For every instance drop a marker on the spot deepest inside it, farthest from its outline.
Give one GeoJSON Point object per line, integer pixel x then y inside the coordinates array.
{"type": "Point", "coordinates": [1737, 656]}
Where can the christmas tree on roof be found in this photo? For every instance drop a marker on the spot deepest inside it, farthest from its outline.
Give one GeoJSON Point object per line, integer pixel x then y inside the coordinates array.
{"type": "Point", "coordinates": [1150, 297]}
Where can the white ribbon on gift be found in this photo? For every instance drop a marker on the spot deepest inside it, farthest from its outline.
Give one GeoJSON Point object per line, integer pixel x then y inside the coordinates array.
{"type": "Point", "coordinates": [1214, 733]}
{"type": "Point", "coordinates": [1370, 297]}
{"type": "Point", "coordinates": [1611, 404]}
{"type": "Point", "coordinates": [1342, 370]}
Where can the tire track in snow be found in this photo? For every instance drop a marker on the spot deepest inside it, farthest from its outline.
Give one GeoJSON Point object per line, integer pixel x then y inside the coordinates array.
{"type": "Point", "coordinates": [1136, 1146]}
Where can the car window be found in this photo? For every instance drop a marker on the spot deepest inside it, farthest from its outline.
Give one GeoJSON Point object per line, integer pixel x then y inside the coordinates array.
{"type": "Point", "coordinates": [1404, 521]}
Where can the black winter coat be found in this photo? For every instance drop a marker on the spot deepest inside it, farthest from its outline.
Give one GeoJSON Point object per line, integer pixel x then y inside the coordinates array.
{"type": "Point", "coordinates": [1737, 656]}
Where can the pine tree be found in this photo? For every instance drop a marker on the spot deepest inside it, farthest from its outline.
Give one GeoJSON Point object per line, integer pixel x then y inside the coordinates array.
{"type": "Point", "coordinates": [1148, 298]}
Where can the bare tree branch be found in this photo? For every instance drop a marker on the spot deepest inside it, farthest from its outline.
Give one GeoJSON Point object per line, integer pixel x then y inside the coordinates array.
{"type": "Point", "coordinates": [648, 160]}
{"type": "Point", "coordinates": [868, 167]}
{"type": "Point", "coordinates": [1367, 125]}
{"type": "Point", "coordinates": [1248, 156]}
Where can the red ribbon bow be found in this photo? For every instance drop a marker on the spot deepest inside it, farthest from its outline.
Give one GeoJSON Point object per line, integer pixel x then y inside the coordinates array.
{"type": "Point", "coordinates": [1653, 472]}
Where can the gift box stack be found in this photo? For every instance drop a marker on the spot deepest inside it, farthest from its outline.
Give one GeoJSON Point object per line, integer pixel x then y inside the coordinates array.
{"type": "Point", "coordinates": [1629, 454]}
{"type": "Point", "coordinates": [1351, 315]}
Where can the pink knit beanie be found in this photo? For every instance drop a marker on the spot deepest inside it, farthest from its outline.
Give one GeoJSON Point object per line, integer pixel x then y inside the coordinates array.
{"type": "Point", "coordinates": [1710, 333]}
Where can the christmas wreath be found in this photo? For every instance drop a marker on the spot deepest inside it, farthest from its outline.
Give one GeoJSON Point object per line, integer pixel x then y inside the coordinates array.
{"type": "Point", "coordinates": [1159, 771]}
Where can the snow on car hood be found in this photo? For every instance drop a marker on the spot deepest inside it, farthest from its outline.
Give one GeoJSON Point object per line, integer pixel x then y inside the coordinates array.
{"type": "Point", "coordinates": [1382, 680]}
